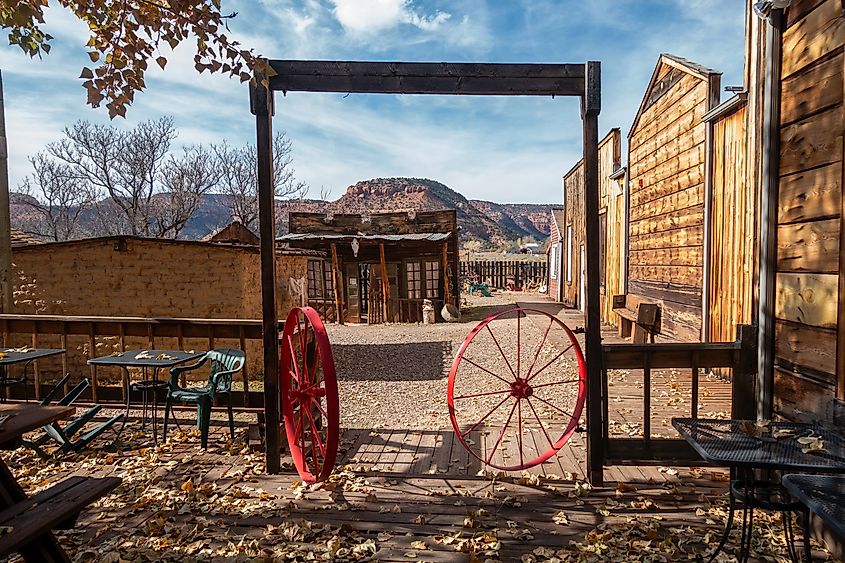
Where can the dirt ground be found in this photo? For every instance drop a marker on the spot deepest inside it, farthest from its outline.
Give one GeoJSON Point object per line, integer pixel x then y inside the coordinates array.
{"type": "Point", "coordinates": [396, 375]}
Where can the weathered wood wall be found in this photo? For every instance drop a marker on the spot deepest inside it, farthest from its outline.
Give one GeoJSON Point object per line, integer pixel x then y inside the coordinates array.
{"type": "Point", "coordinates": [574, 226]}
{"type": "Point", "coordinates": [809, 305]}
{"type": "Point", "coordinates": [733, 230]}
{"type": "Point", "coordinates": [667, 188]}
{"type": "Point", "coordinates": [612, 203]}
{"type": "Point", "coordinates": [554, 255]}
{"type": "Point", "coordinates": [610, 155]}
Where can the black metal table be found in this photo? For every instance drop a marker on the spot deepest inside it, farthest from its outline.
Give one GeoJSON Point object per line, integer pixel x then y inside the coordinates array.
{"type": "Point", "coordinates": [25, 355]}
{"type": "Point", "coordinates": [823, 495]}
{"type": "Point", "coordinates": [744, 446]}
{"type": "Point", "coordinates": [154, 360]}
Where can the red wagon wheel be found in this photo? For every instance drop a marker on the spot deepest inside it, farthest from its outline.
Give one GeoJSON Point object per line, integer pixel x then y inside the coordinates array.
{"type": "Point", "coordinates": [517, 388]}
{"type": "Point", "coordinates": [310, 405]}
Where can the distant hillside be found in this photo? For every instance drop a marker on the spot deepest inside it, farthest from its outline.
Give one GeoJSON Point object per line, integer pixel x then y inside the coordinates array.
{"type": "Point", "coordinates": [485, 221]}
{"type": "Point", "coordinates": [489, 222]}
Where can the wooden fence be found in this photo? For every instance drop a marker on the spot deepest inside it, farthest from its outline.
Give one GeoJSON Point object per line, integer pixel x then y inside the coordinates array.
{"type": "Point", "coordinates": [695, 359]}
{"type": "Point", "coordinates": [502, 273]}
{"type": "Point", "coordinates": [151, 333]}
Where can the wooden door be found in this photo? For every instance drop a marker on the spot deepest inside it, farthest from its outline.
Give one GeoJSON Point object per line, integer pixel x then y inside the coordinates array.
{"type": "Point", "coordinates": [353, 295]}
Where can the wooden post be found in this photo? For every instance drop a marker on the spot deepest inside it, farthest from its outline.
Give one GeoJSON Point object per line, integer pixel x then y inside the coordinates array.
{"type": "Point", "coordinates": [768, 250]}
{"type": "Point", "coordinates": [336, 279]}
{"type": "Point", "coordinates": [744, 374]}
{"type": "Point", "coordinates": [385, 283]}
{"type": "Point", "coordinates": [6, 281]}
{"type": "Point", "coordinates": [590, 108]}
{"type": "Point", "coordinates": [447, 283]}
{"type": "Point", "coordinates": [261, 105]}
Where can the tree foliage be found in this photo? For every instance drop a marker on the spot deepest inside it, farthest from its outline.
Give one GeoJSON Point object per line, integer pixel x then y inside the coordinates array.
{"type": "Point", "coordinates": [126, 36]}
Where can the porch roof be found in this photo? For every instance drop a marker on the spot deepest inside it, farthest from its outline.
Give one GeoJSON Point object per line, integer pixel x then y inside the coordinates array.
{"type": "Point", "coordinates": [335, 237]}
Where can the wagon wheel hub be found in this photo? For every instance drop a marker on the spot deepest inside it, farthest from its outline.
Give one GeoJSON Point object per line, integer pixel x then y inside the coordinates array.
{"type": "Point", "coordinates": [521, 389]}
{"type": "Point", "coordinates": [307, 394]}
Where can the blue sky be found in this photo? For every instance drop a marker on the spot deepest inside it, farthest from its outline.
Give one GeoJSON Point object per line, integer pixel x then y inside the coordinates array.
{"type": "Point", "coordinates": [495, 148]}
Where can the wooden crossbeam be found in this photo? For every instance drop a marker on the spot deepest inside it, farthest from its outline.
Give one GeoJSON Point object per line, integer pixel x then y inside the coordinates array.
{"type": "Point", "coordinates": [428, 78]}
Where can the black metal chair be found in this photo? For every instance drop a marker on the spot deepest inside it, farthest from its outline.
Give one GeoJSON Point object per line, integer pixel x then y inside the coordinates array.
{"type": "Point", "coordinates": [64, 435]}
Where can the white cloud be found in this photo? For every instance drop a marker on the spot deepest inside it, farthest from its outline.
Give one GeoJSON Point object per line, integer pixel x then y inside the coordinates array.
{"type": "Point", "coordinates": [372, 16]}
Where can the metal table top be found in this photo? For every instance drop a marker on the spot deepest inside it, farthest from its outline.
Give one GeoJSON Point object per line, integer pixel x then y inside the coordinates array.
{"type": "Point", "coordinates": [740, 443]}
{"type": "Point", "coordinates": [10, 356]}
{"type": "Point", "coordinates": [146, 358]}
{"type": "Point", "coordinates": [824, 495]}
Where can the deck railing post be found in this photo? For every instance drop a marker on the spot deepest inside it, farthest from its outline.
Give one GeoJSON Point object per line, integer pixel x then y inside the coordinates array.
{"type": "Point", "coordinates": [743, 388]}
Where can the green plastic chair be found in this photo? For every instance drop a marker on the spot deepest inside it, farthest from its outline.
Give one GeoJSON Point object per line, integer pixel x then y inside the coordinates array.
{"type": "Point", "coordinates": [224, 364]}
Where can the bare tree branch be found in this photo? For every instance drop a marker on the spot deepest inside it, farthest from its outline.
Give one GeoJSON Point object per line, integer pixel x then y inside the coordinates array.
{"type": "Point", "coordinates": [57, 198]}
{"type": "Point", "coordinates": [185, 180]}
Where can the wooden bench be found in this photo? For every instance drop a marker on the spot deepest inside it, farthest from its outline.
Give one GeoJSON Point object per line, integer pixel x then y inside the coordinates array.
{"type": "Point", "coordinates": [639, 318]}
{"type": "Point", "coordinates": [28, 521]}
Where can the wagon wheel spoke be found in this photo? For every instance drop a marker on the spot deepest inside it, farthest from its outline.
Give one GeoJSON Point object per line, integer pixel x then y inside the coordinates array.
{"type": "Point", "coordinates": [500, 350]}
{"type": "Point", "coordinates": [550, 362]}
{"type": "Point", "coordinates": [518, 341]}
{"type": "Point", "coordinates": [540, 422]}
{"type": "Point", "coordinates": [502, 433]}
{"type": "Point", "coordinates": [289, 341]}
{"type": "Point", "coordinates": [545, 402]}
{"type": "Point", "coordinates": [485, 370]}
{"type": "Point", "coordinates": [316, 435]}
{"type": "Point", "coordinates": [519, 429]}
{"type": "Point", "coordinates": [316, 444]}
{"type": "Point", "coordinates": [483, 418]}
{"type": "Point", "coordinates": [301, 331]}
{"type": "Point", "coordinates": [321, 409]}
{"type": "Point", "coordinates": [539, 348]}
{"type": "Point", "coordinates": [473, 395]}
{"type": "Point", "coordinates": [555, 383]}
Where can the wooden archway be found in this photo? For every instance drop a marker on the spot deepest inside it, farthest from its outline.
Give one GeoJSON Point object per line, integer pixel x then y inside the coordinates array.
{"type": "Point", "coordinates": [476, 79]}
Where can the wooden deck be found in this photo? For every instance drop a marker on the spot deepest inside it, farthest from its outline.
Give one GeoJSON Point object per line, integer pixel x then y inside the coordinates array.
{"type": "Point", "coordinates": [394, 489]}
{"type": "Point", "coordinates": [404, 495]}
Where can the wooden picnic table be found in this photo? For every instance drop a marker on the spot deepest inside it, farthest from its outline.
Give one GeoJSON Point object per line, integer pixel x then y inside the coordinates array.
{"type": "Point", "coordinates": [29, 520]}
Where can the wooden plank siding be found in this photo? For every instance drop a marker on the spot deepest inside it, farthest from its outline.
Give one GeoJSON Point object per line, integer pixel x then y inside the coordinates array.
{"type": "Point", "coordinates": [574, 228]}
{"type": "Point", "coordinates": [612, 206]}
{"type": "Point", "coordinates": [809, 308]}
{"type": "Point", "coordinates": [733, 230]}
{"type": "Point", "coordinates": [667, 158]}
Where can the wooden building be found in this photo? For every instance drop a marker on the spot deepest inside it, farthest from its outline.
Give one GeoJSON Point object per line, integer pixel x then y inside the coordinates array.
{"type": "Point", "coordinates": [731, 235]}
{"type": "Point", "coordinates": [666, 167]}
{"type": "Point", "coordinates": [418, 250]}
{"type": "Point", "coordinates": [611, 230]}
{"type": "Point", "coordinates": [233, 233]}
{"type": "Point", "coordinates": [554, 251]}
{"type": "Point", "coordinates": [809, 302]}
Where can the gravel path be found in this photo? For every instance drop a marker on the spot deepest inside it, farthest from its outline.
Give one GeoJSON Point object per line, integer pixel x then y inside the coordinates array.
{"type": "Point", "coordinates": [395, 376]}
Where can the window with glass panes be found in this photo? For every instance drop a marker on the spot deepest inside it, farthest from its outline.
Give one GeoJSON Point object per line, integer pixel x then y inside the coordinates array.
{"type": "Point", "coordinates": [328, 286]}
{"type": "Point", "coordinates": [432, 280]}
{"type": "Point", "coordinates": [315, 279]}
{"type": "Point", "coordinates": [414, 274]}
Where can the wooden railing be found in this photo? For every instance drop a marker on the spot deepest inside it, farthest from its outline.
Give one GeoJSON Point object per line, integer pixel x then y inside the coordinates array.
{"type": "Point", "coordinates": [500, 273]}
{"type": "Point", "coordinates": [122, 333]}
{"type": "Point", "coordinates": [697, 358]}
